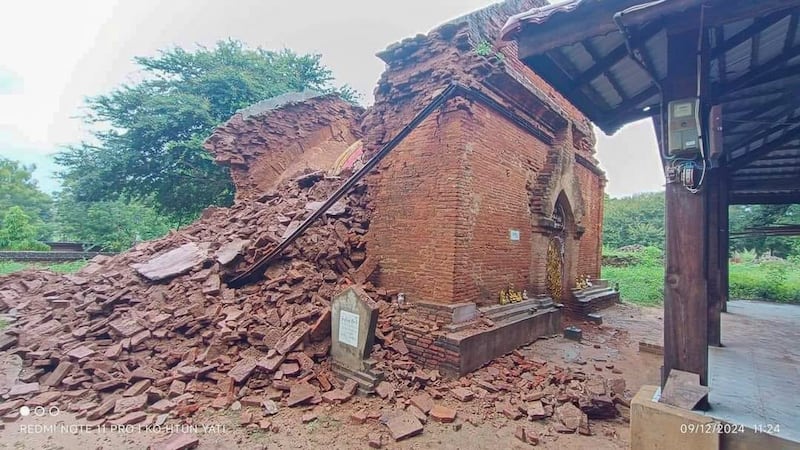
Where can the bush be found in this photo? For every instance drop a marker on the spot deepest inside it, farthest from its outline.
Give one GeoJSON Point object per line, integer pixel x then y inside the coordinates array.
{"type": "Point", "coordinates": [771, 280]}
{"type": "Point", "coordinates": [639, 271]}
{"type": "Point", "coordinates": [18, 232]}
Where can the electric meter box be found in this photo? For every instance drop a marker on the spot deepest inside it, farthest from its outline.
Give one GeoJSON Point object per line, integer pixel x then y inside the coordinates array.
{"type": "Point", "coordinates": [684, 127]}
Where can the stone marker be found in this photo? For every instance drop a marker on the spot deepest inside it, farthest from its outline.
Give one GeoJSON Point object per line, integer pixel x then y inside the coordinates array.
{"type": "Point", "coordinates": [354, 316]}
{"type": "Point", "coordinates": [573, 333]}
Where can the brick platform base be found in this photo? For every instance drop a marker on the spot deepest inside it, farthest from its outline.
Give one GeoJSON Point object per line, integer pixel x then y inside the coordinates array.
{"type": "Point", "coordinates": [455, 340]}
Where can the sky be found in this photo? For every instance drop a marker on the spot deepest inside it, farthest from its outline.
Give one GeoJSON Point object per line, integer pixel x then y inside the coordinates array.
{"type": "Point", "coordinates": [54, 54]}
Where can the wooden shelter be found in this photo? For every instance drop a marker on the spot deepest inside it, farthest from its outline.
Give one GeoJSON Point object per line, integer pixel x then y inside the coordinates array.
{"type": "Point", "coordinates": [620, 61]}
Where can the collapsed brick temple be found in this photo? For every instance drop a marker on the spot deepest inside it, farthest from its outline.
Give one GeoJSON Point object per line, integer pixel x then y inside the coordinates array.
{"type": "Point", "coordinates": [495, 194]}
{"type": "Point", "coordinates": [465, 203]}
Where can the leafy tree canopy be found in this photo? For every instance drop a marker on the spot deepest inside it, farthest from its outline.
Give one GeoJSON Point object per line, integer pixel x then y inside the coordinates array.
{"type": "Point", "coordinates": [114, 225]}
{"type": "Point", "coordinates": [635, 220]}
{"type": "Point", "coordinates": [18, 232]}
{"type": "Point", "coordinates": [18, 188]}
{"type": "Point", "coordinates": [753, 216]}
{"type": "Point", "coordinates": [149, 134]}
{"type": "Point", "coordinates": [639, 220]}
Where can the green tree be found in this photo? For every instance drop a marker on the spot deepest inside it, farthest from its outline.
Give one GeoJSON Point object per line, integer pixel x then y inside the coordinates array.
{"type": "Point", "coordinates": [743, 217]}
{"type": "Point", "coordinates": [114, 225]}
{"type": "Point", "coordinates": [634, 220]}
{"type": "Point", "coordinates": [18, 232]}
{"type": "Point", "coordinates": [150, 134]}
{"type": "Point", "coordinates": [18, 188]}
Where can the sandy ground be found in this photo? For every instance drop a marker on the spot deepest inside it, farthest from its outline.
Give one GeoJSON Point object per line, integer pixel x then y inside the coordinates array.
{"type": "Point", "coordinates": [611, 346]}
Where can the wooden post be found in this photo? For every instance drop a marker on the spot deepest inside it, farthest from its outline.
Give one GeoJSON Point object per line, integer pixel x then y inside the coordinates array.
{"type": "Point", "coordinates": [685, 294]}
{"type": "Point", "coordinates": [713, 198]}
{"type": "Point", "coordinates": [724, 241]}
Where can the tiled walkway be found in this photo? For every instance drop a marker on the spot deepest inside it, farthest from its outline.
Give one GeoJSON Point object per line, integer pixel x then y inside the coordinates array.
{"type": "Point", "coordinates": [755, 377]}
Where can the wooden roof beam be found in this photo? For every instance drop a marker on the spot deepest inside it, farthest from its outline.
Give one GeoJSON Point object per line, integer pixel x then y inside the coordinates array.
{"type": "Point", "coordinates": [788, 102]}
{"type": "Point", "coordinates": [765, 199]}
{"type": "Point", "coordinates": [750, 106]}
{"type": "Point", "coordinates": [611, 78]}
{"type": "Point", "coordinates": [753, 30]}
{"type": "Point", "coordinates": [764, 150]}
{"type": "Point", "coordinates": [786, 113]}
{"type": "Point", "coordinates": [604, 63]}
{"type": "Point", "coordinates": [755, 77]}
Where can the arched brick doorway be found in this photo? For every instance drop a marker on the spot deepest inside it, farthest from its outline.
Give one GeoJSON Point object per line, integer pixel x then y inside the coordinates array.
{"type": "Point", "coordinates": [557, 269]}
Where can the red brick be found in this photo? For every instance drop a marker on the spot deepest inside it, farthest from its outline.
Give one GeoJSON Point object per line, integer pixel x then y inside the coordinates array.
{"type": "Point", "coordinates": [443, 414]}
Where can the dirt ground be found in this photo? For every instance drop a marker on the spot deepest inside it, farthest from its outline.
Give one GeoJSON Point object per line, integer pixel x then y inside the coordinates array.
{"type": "Point", "coordinates": [607, 349]}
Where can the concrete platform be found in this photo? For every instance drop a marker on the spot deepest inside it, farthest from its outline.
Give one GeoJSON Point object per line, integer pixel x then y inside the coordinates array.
{"type": "Point", "coordinates": [755, 378]}
{"type": "Point", "coordinates": [754, 383]}
{"type": "Point", "coordinates": [477, 347]}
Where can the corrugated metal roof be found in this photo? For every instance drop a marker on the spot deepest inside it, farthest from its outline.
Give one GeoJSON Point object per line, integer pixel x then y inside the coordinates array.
{"type": "Point", "coordinates": [754, 73]}
{"type": "Point", "coordinates": [538, 15]}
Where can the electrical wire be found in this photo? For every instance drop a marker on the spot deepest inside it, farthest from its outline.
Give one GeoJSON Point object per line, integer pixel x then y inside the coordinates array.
{"type": "Point", "coordinates": [698, 116]}
{"type": "Point", "coordinates": [674, 162]}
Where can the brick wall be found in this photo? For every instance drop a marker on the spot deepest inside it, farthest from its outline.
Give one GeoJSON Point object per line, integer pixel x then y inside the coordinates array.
{"type": "Point", "coordinates": [273, 143]}
{"type": "Point", "coordinates": [416, 200]}
{"type": "Point", "coordinates": [592, 186]}
{"type": "Point", "coordinates": [447, 197]}
{"type": "Point", "coordinates": [500, 161]}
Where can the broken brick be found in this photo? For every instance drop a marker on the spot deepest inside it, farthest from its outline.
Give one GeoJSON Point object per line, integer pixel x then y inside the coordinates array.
{"type": "Point", "coordinates": [177, 441]}
{"type": "Point", "coordinates": [62, 370]}
{"type": "Point", "coordinates": [300, 393]}
{"type": "Point", "coordinates": [462, 394]}
{"type": "Point", "coordinates": [129, 404]}
{"type": "Point", "coordinates": [385, 390]}
{"type": "Point", "coordinates": [242, 371]}
{"type": "Point", "coordinates": [403, 425]}
{"type": "Point", "coordinates": [359, 417]}
{"type": "Point", "coordinates": [422, 401]}
{"type": "Point", "coordinates": [443, 414]}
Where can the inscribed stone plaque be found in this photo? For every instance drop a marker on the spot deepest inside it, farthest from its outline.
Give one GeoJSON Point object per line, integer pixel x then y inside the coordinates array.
{"type": "Point", "coordinates": [354, 316]}
{"type": "Point", "coordinates": [348, 328]}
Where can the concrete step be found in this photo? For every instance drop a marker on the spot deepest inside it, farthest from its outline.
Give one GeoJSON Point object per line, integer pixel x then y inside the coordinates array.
{"type": "Point", "coordinates": [513, 310]}
{"type": "Point", "coordinates": [598, 295]}
{"type": "Point", "coordinates": [366, 381]}
{"type": "Point", "coordinates": [589, 291]}
{"type": "Point", "coordinates": [599, 283]}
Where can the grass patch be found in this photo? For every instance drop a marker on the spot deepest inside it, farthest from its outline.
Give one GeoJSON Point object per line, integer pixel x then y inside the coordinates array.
{"type": "Point", "coordinates": [7, 267]}
{"type": "Point", "coordinates": [639, 284]}
{"type": "Point", "coordinates": [3, 324]}
{"type": "Point", "coordinates": [771, 280]}
{"type": "Point", "coordinates": [640, 276]}
{"type": "Point", "coordinates": [68, 266]}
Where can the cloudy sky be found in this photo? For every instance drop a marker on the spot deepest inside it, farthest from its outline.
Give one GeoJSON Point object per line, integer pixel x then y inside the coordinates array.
{"type": "Point", "coordinates": [53, 54]}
